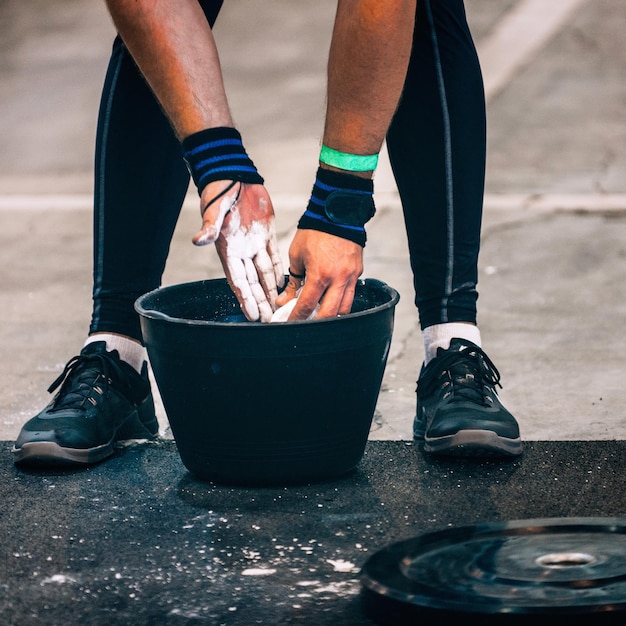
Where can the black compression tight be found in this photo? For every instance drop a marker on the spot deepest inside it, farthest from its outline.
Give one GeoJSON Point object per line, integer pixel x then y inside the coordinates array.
{"type": "Point", "coordinates": [436, 145]}
{"type": "Point", "coordinates": [140, 184]}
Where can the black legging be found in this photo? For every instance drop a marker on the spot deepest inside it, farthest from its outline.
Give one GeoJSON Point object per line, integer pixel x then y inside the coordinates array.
{"type": "Point", "coordinates": [436, 145]}
{"type": "Point", "coordinates": [437, 149]}
{"type": "Point", "coordinates": [140, 185]}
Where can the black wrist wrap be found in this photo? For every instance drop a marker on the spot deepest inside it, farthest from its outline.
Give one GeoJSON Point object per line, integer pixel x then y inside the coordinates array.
{"type": "Point", "coordinates": [340, 205]}
{"type": "Point", "coordinates": [218, 154]}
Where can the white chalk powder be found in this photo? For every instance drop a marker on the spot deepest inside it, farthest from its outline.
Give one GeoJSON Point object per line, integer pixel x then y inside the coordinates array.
{"type": "Point", "coordinates": [282, 313]}
{"type": "Point", "coordinates": [340, 565]}
{"type": "Point", "coordinates": [258, 571]}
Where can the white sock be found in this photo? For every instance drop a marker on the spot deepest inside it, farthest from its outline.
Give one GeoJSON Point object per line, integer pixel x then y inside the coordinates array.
{"type": "Point", "coordinates": [440, 335]}
{"type": "Point", "coordinates": [129, 350]}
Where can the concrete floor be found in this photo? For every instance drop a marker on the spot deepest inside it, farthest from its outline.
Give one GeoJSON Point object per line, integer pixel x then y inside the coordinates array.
{"type": "Point", "coordinates": [552, 261]}
{"type": "Point", "coordinates": [551, 308]}
{"type": "Point", "coordinates": [137, 540]}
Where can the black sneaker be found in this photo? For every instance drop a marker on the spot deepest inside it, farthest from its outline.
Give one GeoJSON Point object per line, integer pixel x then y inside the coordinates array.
{"type": "Point", "coordinates": [458, 410]}
{"type": "Point", "coordinates": [101, 400]}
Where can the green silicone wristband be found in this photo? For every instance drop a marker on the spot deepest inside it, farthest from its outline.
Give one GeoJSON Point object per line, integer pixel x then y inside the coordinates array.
{"type": "Point", "coordinates": [348, 162]}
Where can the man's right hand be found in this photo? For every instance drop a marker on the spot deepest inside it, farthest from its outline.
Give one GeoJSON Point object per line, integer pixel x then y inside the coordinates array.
{"type": "Point", "coordinates": [241, 224]}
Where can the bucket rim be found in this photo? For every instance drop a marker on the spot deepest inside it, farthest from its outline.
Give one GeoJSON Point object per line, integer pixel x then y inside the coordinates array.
{"type": "Point", "coordinates": [158, 315]}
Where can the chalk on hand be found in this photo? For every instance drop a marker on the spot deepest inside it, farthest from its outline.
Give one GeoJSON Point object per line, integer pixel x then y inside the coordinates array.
{"type": "Point", "coordinates": [282, 313]}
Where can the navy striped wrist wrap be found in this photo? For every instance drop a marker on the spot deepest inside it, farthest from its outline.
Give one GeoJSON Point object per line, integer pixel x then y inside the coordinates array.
{"type": "Point", "coordinates": [218, 154]}
{"type": "Point", "coordinates": [340, 205]}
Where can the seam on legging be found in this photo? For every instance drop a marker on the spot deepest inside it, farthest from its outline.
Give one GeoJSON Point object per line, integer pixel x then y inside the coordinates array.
{"type": "Point", "coordinates": [448, 165]}
{"type": "Point", "coordinates": [100, 199]}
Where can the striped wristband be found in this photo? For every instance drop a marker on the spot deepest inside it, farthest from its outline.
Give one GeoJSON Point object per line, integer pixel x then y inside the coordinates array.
{"type": "Point", "coordinates": [218, 154]}
{"type": "Point", "coordinates": [340, 205]}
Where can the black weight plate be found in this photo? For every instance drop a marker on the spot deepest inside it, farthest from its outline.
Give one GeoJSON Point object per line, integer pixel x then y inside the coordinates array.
{"type": "Point", "coordinates": [569, 569]}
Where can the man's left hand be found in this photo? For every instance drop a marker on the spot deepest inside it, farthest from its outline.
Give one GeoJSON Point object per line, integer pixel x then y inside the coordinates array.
{"type": "Point", "coordinates": [330, 267]}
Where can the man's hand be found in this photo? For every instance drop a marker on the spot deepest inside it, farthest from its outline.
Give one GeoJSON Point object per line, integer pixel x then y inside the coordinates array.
{"type": "Point", "coordinates": [240, 221]}
{"type": "Point", "coordinates": [330, 267]}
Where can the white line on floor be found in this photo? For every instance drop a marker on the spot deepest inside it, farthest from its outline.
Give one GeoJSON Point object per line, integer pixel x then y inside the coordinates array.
{"type": "Point", "coordinates": [285, 202]}
{"type": "Point", "coordinates": [518, 36]}
{"type": "Point", "coordinates": [512, 43]}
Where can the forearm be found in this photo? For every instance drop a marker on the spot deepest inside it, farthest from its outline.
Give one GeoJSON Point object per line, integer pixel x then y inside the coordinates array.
{"type": "Point", "coordinates": [367, 66]}
{"type": "Point", "coordinates": [172, 43]}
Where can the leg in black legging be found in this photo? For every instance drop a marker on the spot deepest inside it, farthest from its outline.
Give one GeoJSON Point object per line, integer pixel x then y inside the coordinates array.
{"type": "Point", "coordinates": [140, 184]}
{"type": "Point", "coordinates": [437, 150]}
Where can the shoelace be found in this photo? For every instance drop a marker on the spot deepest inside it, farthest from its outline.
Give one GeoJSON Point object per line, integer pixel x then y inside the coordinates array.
{"type": "Point", "coordinates": [467, 373]}
{"type": "Point", "coordinates": [79, 380]}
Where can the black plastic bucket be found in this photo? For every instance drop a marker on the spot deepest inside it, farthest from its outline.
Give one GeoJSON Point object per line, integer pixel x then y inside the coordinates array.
{"type": "Point", "coordinates": [252, 403]}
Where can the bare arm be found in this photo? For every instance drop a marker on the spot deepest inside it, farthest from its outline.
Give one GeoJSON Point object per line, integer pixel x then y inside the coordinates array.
{"type": "Point", "coordinates": [172, 43]}
{"type": "Point", "coordinates": [367, 66]}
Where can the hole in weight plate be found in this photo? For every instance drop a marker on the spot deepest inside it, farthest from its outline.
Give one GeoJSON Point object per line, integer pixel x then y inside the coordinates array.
{"type": "Point", "coordinates": [566, 559]}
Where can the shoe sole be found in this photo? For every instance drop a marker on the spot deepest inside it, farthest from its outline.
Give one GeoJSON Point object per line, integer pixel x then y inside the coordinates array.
{"type": "Point", "coordinates": [141, 425]}
{"type": "Point", "coordinates": [473, 443]}
{"type": "Point", "coordinates": [48, 453]}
